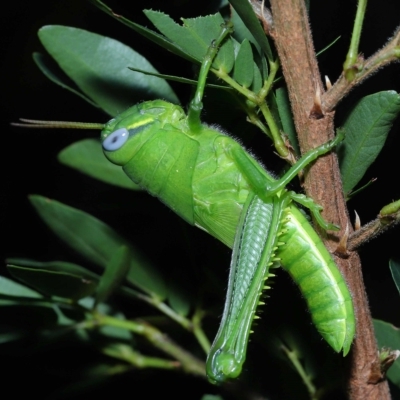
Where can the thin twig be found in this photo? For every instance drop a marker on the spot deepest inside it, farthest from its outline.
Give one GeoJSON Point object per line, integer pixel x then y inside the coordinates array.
{"type": "Point", "coordinates": [366, 68]}
{"type": "Point", "coordinates": [372, 229]}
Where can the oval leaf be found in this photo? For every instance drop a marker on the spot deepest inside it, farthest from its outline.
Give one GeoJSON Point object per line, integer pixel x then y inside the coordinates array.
{"type": "Point", "coordinates": [179, 291]}
{"type": "Point", "coordinates": [395, 270]}
{"type": "Point", "coordinates": [241, 32]}
{"type": "Point", "coordinates": [257, 79]}
{"type": "Point", "coordinates": [87, 157]}
{"type": "Point", "coordinates": [53, 283]}
{"type": "Point", "coordinates": [53, 72]}
{"type": "Point", "coordinates": [195, 36]}
{"type": "Point", "coordinates": [366, 128]}
{"type": "Point", "coordinates": [244, 71]}
{"type": "Point", "coordinates": [99, 67]}
{"type": "Point", "coordinates": [55, 266]}
{"type": "Point", "coordinates": [155, 37]}
{"type": "Point", "coordinates": [11, 337]}
{"type": "Point", "coordinates": [97, 242]}
{"type": "Point", "coordinates": [246, 13]}
{"type": "Point", "coordinates": [115, 272]}
{"type": "Point", "coordinates": [11, 288]}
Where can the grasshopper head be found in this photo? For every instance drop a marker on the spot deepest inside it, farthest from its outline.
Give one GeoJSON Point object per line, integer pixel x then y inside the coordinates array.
{"type": "Point", "coordinates": [122, 135]}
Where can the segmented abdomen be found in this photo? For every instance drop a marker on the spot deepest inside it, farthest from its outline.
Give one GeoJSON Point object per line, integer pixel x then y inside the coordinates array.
{"type": "Point", "coordinates": [306, 259]}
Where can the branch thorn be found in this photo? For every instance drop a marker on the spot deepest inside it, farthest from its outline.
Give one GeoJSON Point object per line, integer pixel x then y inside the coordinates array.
{"type": "Point", "coordinates": [357, 222]}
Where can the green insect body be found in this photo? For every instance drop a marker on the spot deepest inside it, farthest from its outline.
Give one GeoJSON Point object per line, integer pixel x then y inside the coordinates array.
{"type": "Point", "coordinates": [211, 182]}
{"type": "Point", "coordinates": [308, 262]}
{"type": "Point", "coordinates": [193, 174]}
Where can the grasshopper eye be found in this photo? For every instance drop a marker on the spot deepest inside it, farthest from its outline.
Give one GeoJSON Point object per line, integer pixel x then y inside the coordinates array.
{"type": "Point", "coordinates": [116, 140]}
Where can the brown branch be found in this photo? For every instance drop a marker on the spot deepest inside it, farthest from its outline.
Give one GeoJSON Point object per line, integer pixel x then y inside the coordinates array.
{"type": "Point", "coordinates": [366, 68]}
{"type": "Point", "coordinates": [372, 229]}
{"type": "Point", "coordinates": [292, 36]}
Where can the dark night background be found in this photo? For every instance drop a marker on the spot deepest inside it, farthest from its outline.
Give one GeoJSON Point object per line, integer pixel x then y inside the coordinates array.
{"type": "Point", "coordinates": [29, 156]}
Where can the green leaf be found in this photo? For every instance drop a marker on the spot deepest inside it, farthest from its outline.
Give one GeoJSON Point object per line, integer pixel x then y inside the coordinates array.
{"type": "Point", "coordinates": [54, 278]}
{"type": "Point", "coordinates": [155, 37]}
{"type": "Point", "coordinates": [244, 70]}
{"type": "Point", "coordinates": [115, 272]}
{"type": "Point", "coordinates": [56, 75]}
{"type": "Point", "coordinates": [57, 266]}
{"type": "Point", "coordinates": [68, 316]}
{"type": "Point", "coordinates": [257, 79]}
{"type": "Point", "coordinates": [388, 336]}
{"type": "Point", "coordinates": [241, 32]}
{"type": "Point", "coordinates": [208, 29]}
{"type": "Point", "coordinates": [195, 36]}
{"type": "Point", "coordinates": [179, 292]}
{"type": "Point", "coordinates": [246, 13]}
{"type": "Point", "coordinates": [395, 270]}
{"type": "Point", "coordinates": [11, 337]}
{"type": "Point", "coordinates": [112, 332]}
{"type": "Point", "coordinates": [99, 67]}
{"type": "Point", "coordinates": [116, 333]}
{"type": "Point", "coordinates": [366, 128]}
{"type": "Point", "coordinates": [97, 242]}
{"type": "Point", "coordinates": [286, 117]}
{"type": "Point", "coordinates": [211, 397]}
{"type": "Point", "coordinates": [87, 157]}
{"type": "Point", "coordinates": [173, 31]}
{"type": "Point", "coordinates": [11, 288]}
{"type": "Point", "coordinates": [54, 283]}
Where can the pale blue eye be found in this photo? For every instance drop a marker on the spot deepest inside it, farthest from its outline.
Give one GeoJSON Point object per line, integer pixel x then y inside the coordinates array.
{"type": "Point", "coordinates": [116, 140]}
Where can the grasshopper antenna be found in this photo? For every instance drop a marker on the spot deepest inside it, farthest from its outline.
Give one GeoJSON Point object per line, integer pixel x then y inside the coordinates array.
{"type": "Point", "coordinates": [33, 123]}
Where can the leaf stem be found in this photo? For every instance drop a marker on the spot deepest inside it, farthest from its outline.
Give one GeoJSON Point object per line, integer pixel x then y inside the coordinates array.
{"type": "Point", "coordinates": [157, 338]}
{"type": "Point", "coordinates": [198, 331]}
{"type": "Point", "coordinates": [126, 353]}
{"type": "Point", "coordinates": [276, 135]}
{"type": "Point", "coordinates": [159, 305]}
{"type": "Point", "coordinates": [349, 66]}
{"type": "Point", "coordinates": [259, 99]}
{"type": "Point", "coordinates": [307, 379]}
{"type": "Point", "coordinates": [273, 69]}
{"type": "Point", "coordinates": [388, 54]}
{"type": "Point", "coordinates": [193, 326]}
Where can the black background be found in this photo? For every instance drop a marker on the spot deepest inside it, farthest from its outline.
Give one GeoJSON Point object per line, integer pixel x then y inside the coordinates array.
{"type": "Point", "coordinates": [28, 157]}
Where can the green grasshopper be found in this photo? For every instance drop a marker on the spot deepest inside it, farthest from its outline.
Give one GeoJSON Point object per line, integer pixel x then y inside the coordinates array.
{"type": "Point", "coordinates": [210, 181]}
